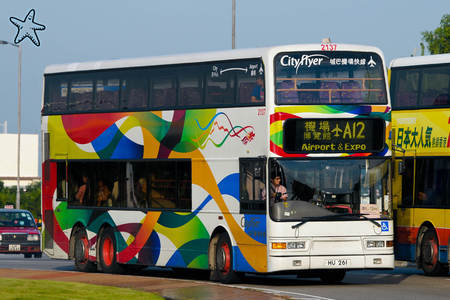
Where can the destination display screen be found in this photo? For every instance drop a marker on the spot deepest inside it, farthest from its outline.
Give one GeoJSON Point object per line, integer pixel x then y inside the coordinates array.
{"type": "Point", "coordinates": [334, 135]}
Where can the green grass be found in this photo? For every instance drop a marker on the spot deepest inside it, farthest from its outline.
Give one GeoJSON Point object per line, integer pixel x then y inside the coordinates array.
{"type": "Point", "coordinates": [46, 289]}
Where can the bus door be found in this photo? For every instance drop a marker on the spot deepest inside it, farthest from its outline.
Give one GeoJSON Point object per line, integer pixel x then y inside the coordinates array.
{"type": "Point", "coordinates": [54, 209]}
{"type": "Point", "coordinates": [252, 190]}
{"type": "Point", "coordinates": [404, 217]}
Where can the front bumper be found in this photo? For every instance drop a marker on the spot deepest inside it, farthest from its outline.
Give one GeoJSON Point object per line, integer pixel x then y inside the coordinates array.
{"type": "Point", "coordinates": [18, 248]}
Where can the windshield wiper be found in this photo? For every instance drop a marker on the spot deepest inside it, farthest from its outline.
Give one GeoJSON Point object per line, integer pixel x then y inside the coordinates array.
{"type": "Point", "coordinates": [306, 220]}
{"type": "Point", "coordinates": [335, 217]}
{"type": "Point", "coordinates": [369, 219]}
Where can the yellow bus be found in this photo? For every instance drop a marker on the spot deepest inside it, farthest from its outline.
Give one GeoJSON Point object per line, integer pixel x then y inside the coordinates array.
{"type": "Point", "coordinates": [421, 182]}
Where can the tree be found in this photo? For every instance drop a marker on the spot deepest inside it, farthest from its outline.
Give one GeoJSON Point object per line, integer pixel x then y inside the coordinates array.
{"type": "Point", "coordinates": [7, 195]}
{"type": "Point", "coordinates": [439, 39]}
{"type": "Point", "coordinates": [30, 197]}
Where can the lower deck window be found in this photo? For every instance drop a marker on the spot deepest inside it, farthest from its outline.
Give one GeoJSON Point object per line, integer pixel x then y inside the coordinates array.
{"type": "Point", "coordinates": [144, 184]}
{"type": "Point", "coordinates": [426, 183]}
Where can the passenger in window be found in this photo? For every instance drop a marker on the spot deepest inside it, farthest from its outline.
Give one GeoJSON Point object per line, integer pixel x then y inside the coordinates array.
{"type": "Point", "coordinates": [258, 91]}
{"type": "Point", "coordinates": [83, 192]}
{"type": "Point", "coordinates": [62, 188]}
{"type": "Point", "coordinates": [278, 193]}
{"type": "Point", "coordinates": [141, 191]}
{"type": "Point", "coordinates": [115, 193]}
{"type": "Point", "coordinates": [103, 194]}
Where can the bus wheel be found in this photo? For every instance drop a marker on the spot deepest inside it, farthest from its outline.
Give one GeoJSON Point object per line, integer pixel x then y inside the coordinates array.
{"type": "Point", "coordinates": [429, 252]}
{"type": "Point", "coordinates": [82, 262]}
{"type": "Point", "coordinates": [224, 261]}
{"type": "Point", "coordinates": [107, 251]}
{"type": "Point", "coordinates": [332, 277]}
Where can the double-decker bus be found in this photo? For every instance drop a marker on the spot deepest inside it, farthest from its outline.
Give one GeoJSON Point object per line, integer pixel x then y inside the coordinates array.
{"type": "Point", "coordinates": [271, 160]}
{"type": "Point", "coordinates": [420, 119]}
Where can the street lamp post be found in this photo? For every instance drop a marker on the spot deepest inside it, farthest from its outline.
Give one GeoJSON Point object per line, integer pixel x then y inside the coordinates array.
{"type": "Point", "coordinates": [18, 120]}
{"type": "Point", "coordinates": [233, 26]}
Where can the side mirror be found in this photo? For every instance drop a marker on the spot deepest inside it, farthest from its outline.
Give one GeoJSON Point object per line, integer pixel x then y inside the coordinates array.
{"type": "Point", "coordinates": [258, 172]}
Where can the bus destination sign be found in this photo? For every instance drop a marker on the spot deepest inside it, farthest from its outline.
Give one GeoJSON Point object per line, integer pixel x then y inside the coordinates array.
{"type": "Point", "coordinates": [333, 135]}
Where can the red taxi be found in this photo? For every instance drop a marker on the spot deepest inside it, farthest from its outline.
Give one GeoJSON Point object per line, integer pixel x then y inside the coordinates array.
{"type": "Point", "coordinates": [19, 233]}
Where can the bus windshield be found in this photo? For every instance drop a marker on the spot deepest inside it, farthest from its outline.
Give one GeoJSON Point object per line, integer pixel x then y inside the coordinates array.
{"type": "Point", "coordinates": [314, 188]}
{"type": "Point", "coordinates": [334, 78]}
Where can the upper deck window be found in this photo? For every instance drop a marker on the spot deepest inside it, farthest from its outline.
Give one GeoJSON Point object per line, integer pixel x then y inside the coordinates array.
{"type": "Point", "coordinates": [336, 77]}
{"type": "Point", "coordinates": [185, 86]}
{"type": "Point", "coordinates": [420, 87]}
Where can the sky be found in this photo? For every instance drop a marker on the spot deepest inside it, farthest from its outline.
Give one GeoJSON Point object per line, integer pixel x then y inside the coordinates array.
{"type": "Point", "coordinates": [109, 29]}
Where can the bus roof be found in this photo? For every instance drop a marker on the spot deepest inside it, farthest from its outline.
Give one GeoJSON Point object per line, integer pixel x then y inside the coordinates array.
{"type": "Point", "coordinates": [420, 60]}
{"type": "Point", "coordinates": [195, 58]}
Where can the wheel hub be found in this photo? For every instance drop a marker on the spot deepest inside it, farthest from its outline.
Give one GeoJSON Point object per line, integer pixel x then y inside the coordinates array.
{"type": "Point", "coordinates": [428, 252]}
{"type": "Point", "coordinates": [221, 258]}
{"type": "Point", "coordinates": [107, 252]}
{"type": "Point", "coordinates": [80, 251]}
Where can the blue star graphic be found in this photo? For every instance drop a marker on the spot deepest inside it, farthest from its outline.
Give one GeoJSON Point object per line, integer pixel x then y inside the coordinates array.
{"type": "Point", "coordinates": [27, 28]}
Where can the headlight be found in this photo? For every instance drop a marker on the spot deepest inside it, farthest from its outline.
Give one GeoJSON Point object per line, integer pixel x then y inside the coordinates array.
{"type": "Point", "coordinates": [375, 244]}
{"type": "Point", "coordinates": [33, 237]}
{"type": "Point", "coordinates": [0, 237]}
{"type": "Point", "coordinates": [296, 245]}
{"type": "Point", "coordinates": [289, 245]}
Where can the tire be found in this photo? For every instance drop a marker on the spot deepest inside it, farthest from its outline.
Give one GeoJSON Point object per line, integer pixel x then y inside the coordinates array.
{"type": "Point", "coordinates": [28, 255]}
{"type": "Point", "coordinates": [107, 252]}
{"type": "Point", "coordinates": [429, 255]}
{"type": "Point", "coordinates": [224, 261]}
{"type": "Point", "coordinates": [332, 277]}
{"type": "Point", "coordinates": [81, 252]}
{"type": "Point", "coordinates": [38, 255]}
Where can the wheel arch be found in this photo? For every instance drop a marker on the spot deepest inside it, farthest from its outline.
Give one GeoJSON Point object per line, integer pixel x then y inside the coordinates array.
{"type": "Point", "coordinates": [213, 244]}
{"type": "Point", "coordinates": [419, 239]}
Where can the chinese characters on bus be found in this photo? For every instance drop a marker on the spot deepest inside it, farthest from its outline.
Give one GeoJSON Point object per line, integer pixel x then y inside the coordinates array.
{"type": "Point", "coordinates": [348, 136]}
{"type": "Point", "coordinates": [409, 136]}
{"type": "Point", "coordinates": [339, 135]}
{"type": "Point", "coordinates": [420, 138]}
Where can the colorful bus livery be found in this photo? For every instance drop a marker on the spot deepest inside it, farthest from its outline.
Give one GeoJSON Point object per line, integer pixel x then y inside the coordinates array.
{"type": "Point", "coordinates": [133, 135]}
{"type": "Point", "coordinates": [121, 145]}
{"type": "Point", "coordinates": [170, 162]}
